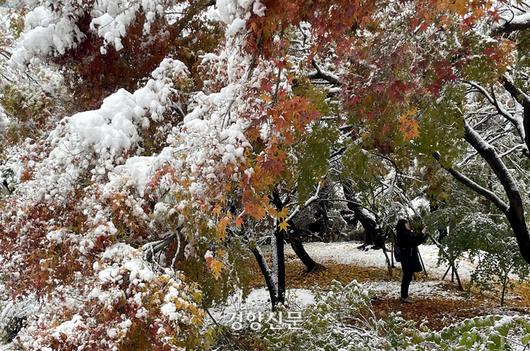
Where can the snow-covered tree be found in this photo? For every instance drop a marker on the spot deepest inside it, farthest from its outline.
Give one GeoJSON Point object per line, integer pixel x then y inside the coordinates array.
{"type": "Point", "coordinates": [145, 142]}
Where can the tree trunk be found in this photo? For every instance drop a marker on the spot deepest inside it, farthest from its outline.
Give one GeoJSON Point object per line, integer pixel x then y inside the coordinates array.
{"type": "Point", "coordinates": [267, 275]}
{"type": "Point", "coordinates": [299, 250]}
{"type": "Point", "coordinates": [374, 234]}
{"type": "Point", "coordinates": [514, 210]}
{"type": "Point", "coordinates": [277, 276]}
{"type": "Point", "coordinates": [389, 262]}
{"type": "Point", "coordinates": [278, 264]}
{"type": "Point", "coordinates": [503, 293]}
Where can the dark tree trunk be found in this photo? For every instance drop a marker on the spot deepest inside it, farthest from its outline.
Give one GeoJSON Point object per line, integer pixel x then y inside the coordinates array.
{"type": "Point", "coordinates": [299, 250]}
{"type": "Point", "coordinates": [267, 275]}
{"type": "Point", "coordinates": [278, 254]}
{"type": "Point", "coordinates": [514, 210]}
{"type": "Point", "coordinates": [278, 262]}
{"type": "Point", "coordinates": [517, 221]}
{"type": "Point", "coordinates": [275, 277]}
{"type": "Point", "coordinates": [503, 292]}
{"type": "Point", "coordinates": [374, 234]}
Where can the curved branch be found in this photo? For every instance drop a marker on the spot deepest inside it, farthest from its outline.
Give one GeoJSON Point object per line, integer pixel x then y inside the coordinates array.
{"type": "Point", "coordinates": [523, 99]}
{"type": "Point", "coordinates": [515, 212]}
{"type": "Point", "coordinates": [319, 74]}
{"type": "Point", "coordinates": [479, 189]}
{"type": "Point", "coordinates": [516, 23]}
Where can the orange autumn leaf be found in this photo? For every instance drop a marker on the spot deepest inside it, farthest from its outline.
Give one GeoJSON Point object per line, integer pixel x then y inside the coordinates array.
{"type": "Point", "coordinates": [216, 267]}
{"type": "Point", "coordinates": [256, 210]}
{"type": "Point", "coordinates": [408, 126]}
{"type": "Point", "coordinates": [222, 226]}
{"type": "Point", "coordinates": [239, 221]}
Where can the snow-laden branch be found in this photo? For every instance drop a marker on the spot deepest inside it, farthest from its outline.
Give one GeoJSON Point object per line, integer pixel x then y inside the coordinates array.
{"type": "Point", "coordinates": [320, 74]}
{"type": "Point", "coordinates": [511, 150]}
{"type": "Point", "coordinates": [515, 212]}
{"type": "Point", "coordinates": [151, 249]}
{"type": "Point", "coordinates": [492, 158]}
{"type": "Point", "coordinates": [512, 24]}
{"type": "Point", "coordinates": [479, 189]}
{"type": "Point", "coordinates": [516, 121]}
{"type": "Point", "coordinates": [524, 100]}
{"type": "Point", "coordinates": [307, 203]}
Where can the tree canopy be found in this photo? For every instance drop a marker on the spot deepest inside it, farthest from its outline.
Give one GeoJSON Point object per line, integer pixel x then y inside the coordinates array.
{"type": "Point", "coordinates": [146, 146]}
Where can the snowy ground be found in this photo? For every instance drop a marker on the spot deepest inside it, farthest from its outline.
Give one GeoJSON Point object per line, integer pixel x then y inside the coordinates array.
{"type": "Point", "coordinates": [348, 253]}
{"type": "Point", "coordinates": [257, 302]}
{"type": "Point", "coordinates": [345, 253]}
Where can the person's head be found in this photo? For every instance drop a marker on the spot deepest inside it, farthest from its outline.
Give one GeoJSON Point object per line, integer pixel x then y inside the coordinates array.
{"type": "Point", "coordinates": [402, 225]}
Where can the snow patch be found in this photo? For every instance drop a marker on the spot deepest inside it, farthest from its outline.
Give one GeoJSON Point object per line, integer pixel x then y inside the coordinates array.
{"type": "Point", "coordinates": [348, 253]}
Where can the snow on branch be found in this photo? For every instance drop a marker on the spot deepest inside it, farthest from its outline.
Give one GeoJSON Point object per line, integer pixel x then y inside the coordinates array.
{"type": "Point", "coordinates": [320, 74]}
{"type": "Point", "coordinates": [468, 182]}
{"type": "Point", "coordinates": [492, 158]}
{"type": "Point", "coordinates": [52, 29]}
{"type": "Point", "coordinates": [512, 24]}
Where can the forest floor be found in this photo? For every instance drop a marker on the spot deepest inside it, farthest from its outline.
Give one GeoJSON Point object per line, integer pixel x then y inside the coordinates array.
{"type": "Point", "coordinates": [436, 303]}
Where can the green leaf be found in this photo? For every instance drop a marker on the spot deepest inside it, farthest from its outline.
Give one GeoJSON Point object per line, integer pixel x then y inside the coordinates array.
{"type": "Point", "coordinates": [313, 159]}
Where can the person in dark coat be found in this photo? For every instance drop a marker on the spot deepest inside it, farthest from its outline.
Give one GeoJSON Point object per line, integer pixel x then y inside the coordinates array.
{"type": "Point", "coordinates": [408, 243]}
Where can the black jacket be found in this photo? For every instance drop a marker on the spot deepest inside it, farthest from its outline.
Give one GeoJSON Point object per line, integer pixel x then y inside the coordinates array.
{"type": "Point", "coordinates": [408, 243]}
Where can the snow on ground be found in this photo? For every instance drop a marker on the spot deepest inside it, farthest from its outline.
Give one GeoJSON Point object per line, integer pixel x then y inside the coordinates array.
{"type": "Point", "coordinates": [423, 289]}
{"type": "Point", "coordinates": [257, 305]}
{"type": "Point", "coordinates": [238, 312]}
{"type": "Point", "coordinates": [237, 309]}
{"type": "Point", "coordinates": [348, 253]}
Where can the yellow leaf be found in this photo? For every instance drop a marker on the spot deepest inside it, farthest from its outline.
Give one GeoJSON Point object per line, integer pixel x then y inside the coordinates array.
{"type": "Point", "coordinates": [216, 267]}
{"type": "Point", "coordinates": [282, 214]}
{"type": "Point", "coordinates": [283, 225]}
{"type": "Point", "coordinates": [266, 98]}
{"type": "Point", "coordinates": [221, 227]}
{"type": "Point", "coordinates": [217, 210]}
{"type": "Point", "coordinates": [408, 125]}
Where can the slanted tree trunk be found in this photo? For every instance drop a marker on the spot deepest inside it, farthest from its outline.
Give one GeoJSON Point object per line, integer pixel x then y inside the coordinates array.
{"type": "Point", "coordinates": [374, 232]}
{"type": "Point", "coordinates": [301, 253]}
{"type": "Point", "coordinates": [275, 275]}
{"type": "Point", "coordinates": [267, 275]}
{"type": "Point", "coordinates": [514, 210]}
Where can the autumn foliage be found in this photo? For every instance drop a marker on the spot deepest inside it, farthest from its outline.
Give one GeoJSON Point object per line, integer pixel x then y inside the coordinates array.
{"type": "Point", "coordinates": [191, 116]}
